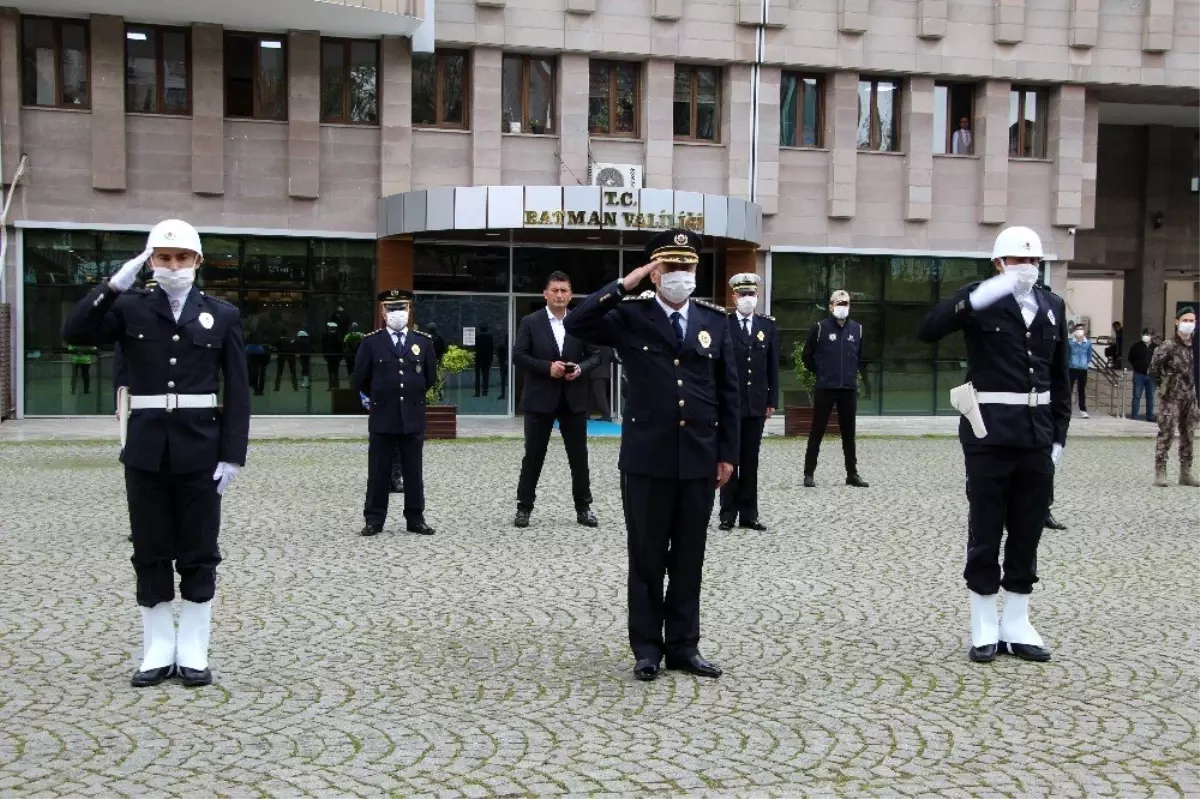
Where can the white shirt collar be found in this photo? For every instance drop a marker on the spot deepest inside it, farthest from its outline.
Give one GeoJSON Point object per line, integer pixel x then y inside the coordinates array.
{"type": "Point", "coordinates": [669, 310]}
{"type": "Point", "coordinates": [396, 334]}
{"type": "Point", "coordinates": [742, 316]}
{"type": "Point", "coordinates": [553, 318]}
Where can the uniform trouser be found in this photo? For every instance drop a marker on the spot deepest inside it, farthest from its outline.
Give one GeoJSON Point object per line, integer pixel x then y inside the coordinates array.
{"type": "Point", "coordinates": [397, 463]}
{"type": "Point", "coordinates": [537, 438]}
{"type": "Point", "coordinates": [174, 517]}
{"type": "Point", "coordinates": [290, 361]}
{"type": "Point", "coordinates": [1079, 385]}
{"type": "Point", "coordinates": [666, 523]}
{"type": "Point", "coordinates": [739, 496]}
{"type": "Point", "coordinates": [846, 400]}
{"type": "Point", "coordinates": [83, 370]}
{"type": "Point", "coordinates": [381, 450]}
{"type": "Point", "coordinates": [1006, 487]}
{"type": "Point", "coordinates": [1172, 414]}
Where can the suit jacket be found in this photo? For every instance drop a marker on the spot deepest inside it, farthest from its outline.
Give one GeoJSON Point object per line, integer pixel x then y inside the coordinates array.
{"type": "Point", "coordinates": [1005, 355]}
{"type": "Point", "coordinates": [202, 353]}
{"type": "Point", "coordinates": [395, 380]}
{"type": "Point", "coordinates": [757, 358]}
{"type": "Point", "coordinates": [535, 349]}
{"type": "Point", "coordinates": [682, 409]}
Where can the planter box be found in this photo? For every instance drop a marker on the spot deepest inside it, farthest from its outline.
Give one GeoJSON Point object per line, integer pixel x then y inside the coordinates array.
{"type": "Point", "coordinates": [441, 421]}
{"type": "Point", "coordinates": [797, 421]}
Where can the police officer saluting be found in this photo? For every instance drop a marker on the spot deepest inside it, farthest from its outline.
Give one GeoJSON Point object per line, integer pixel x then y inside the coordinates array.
{"type": "Point", "coordinates": [181, 445]}
{"type": "Point", "coordinates": [679, 441]}
{"type": "Point", "coordinates": [756, 350]}
{"type": "Point", "coordinates": [1016, 407]}
{"type": "Point", "coordinates": [393, 368]}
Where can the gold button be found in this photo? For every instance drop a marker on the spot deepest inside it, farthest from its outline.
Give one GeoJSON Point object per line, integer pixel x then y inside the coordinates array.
{"type": "Point", "coordinates": [170, 384]}
{"type": "Point", "coordinates": [1031, 370]}
{"type": "Point", "coordinates": [172, 361]}
{"type": "Point", "coordinates": [681, 403]}
{"type": "Point", "coordinates": [682, 423]}
{"type": "Point", "coordinates": [749, 371]}
{"type": "Point", "coordinates": [747, 382]}
{"type": "Point", "coordinates": [644, 347]}
{"type": "Point", "coordinates": [1027, 335]}
{"type": "Point", "coordinates": [140, 335]}
{"type": "Point", "coordinates": [632, 419]}
{"type": "Point", "coordinates": [676, 361]}
{"type": "Point", "coordinates": [679, 382]}
{"type": "Point", "coordinates": [175, 337]}
{"type": "Point", "coordinates": [210, 346]}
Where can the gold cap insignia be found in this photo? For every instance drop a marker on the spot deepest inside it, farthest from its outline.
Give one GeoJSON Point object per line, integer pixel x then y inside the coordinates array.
{"type": "Point", "coordinates": [681, 238]}
{"type": "Point", "coordinates": [705, 339]}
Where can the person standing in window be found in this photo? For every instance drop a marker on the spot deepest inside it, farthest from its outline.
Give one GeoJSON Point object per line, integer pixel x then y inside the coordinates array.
{"type": "Point", "coordinates": [485, 350]}
{"type": "Point", "coordinates": [1081, 359]}
{"type": "Point", "coordinates": [961, 142]}
{"type": "Point", "coordinates": [82, 359]}
{"type": "Point", "coordinates": [1173, 366]}
{"type": "Point", "coordinates": [833, 352]}
{"type": "Point", "coordinates": [1140, 355]}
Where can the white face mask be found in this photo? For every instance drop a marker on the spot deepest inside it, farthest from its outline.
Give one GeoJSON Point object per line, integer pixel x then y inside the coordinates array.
{"type": "Point", "coordinates": [1187, 328]}
{"type": "Point", "coordinates": [1145, 339]}
{"type": "Point", "coordinates": [397, 320]}
{"type": "Point", "coordinates": [675, 287]}
{"type": "Point", "coordinates": [1079, 335]}
{"type": "Point", "coordinates": [841, 312]}
{"type": "Point", "coordinates": [175, 280]}
{"type": "Point", "coordinates": [746, 305]}
{"type": "Point", "coordinates": [1027, 275]}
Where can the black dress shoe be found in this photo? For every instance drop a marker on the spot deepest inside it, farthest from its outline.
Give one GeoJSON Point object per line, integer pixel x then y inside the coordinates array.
{"type": "Point", "coordinates": [370, 529]}
{"type": "Point", "coordinates": [192, 678]}
{"type": "Point", "coordinates": [809, 482]}
{"type": "Point", "coordinates": [587, 518]}
{"type": "Point", "coordinates": [857, 482]}
{"type": "Point", "coordinates": [754, 525]}
{"type": "Point", "coordinates": [420, 528]}
{"type": "Point", "coordinates": [982, 654]}
{"type": "Point", "coordinates": [1037, 654]}
{"type": "Point", "coordinates": [144, 679]}
{"type": "Point", "coordinates": [521, 519]}
{"type": "Point", "coordinates": [1053, 523]}
{"type": "Point", "coordinates": [726, 524]}
{"type": "Point", "coordinates": [645, 669]}
{"type": "Point", "coordinates": [695, 665]}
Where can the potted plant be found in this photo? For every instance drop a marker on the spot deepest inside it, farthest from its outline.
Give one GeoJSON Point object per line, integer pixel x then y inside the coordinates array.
{"type": "Point", "coordinates": [537, 126]}
{"type": "Point", "coordinates": [441, 420]}
{"type": "Point", "coordinates": [797, 419]}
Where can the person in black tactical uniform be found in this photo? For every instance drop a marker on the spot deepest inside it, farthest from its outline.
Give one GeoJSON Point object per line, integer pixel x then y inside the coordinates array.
{"type": "Point", "coordinates": [756, 347]}
{"type": "Point", "coordinates": [183, 446]}
{"type": "Point", "coordinates": [833, 352]}
{"type": "Point", "coordinates": [1016, 407]}
{"type": "Point", "coordinates": [394, 367]}
{"type": "Point", "coordinates": [679, 441]}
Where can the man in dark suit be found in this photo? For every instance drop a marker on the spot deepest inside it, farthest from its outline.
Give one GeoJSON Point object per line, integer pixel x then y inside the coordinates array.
{"type": "Point", "coordinates": [180, 444]}
{"type": "Point", "coordinates": [679, 441]}
{"type": "Point", "coordinates": [555, 365]}
{"type": "Point", "coordinates": [485, 350]}
{"type": "Point", "coordinates": [601, 380]}
{"type": "Point", "coordinates": [392, 370]}
{"type": "Point", "coordinates": [756, 347]}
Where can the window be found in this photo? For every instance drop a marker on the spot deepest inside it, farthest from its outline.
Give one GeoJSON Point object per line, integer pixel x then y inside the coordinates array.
{"type": "Point", "coordinates": [55, 71]}
{"type": "Point", "coordinates": [613, 98]}
{"type": "Point", "coordinates": [696, 98]}
{"type": "Point", "coordinates": [878, 114]}
{"type": "Point", "coordinates": [349, 82]}
{"type": "Point", "coordinates": [527, 94]}
{"type": "Point", "coordinates": [1027, 123]}
{"type": "Point", "coordinates": [156, 70]}
{"type": "Point", "coordinates": [439, 89]}
{"type": "Point", "coordinates": [800, 110]}
{"type": "Point", "coordinates": [255, 76]}
{"type": "Point", "coordinates": [953, 119]}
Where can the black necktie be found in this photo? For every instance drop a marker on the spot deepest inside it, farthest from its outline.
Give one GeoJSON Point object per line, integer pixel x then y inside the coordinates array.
{"type": "Point", "coordinates": [746, 327]}
{"type": "Point", "coordinates": [676, 322]}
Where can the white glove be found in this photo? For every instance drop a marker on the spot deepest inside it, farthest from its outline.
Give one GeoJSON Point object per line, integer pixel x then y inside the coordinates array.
{"type": "Point", "coordinates": [366, 401]}
{"type": "Point", "coordinates": [993, 289]}
{"type": "Point", "coordinates": [123, 279]}
{"type": "Point", "coordinates": [224, 474]}
{"type": "Point", "coordinates": [1056, 452]}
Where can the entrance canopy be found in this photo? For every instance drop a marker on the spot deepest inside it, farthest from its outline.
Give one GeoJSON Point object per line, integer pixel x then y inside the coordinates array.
{"type": "Point", "coordinates": [582, 208]}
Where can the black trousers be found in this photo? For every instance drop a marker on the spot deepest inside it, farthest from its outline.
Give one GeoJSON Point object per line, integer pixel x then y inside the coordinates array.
{"type": "Point", "coordinates": [290, 360]}
{"type": "Point", "coordinates": [333, 365]}
{"type": "Point", "coordinates": [600, 397]}
{"type": "Point", "coordinates": [381, 450]}
{"type": "Point", "coordinates": [1079, 383]}
{"type": "Point", "coordinates": [397, 462]}
{"type": "Point", "coordinates": [739, 496]}
{"type": "Point", "coordinates": [666, 523]}
{"type": "Point", "coordinates": [846, 400]}
{"type": "Point", "coordinates": [537, 438]}
{"type": "Point", "coordinates": [174, 518]}
{"type": "Point", "coordinates": [83, 370]}
{"type": "Point", "coordinates": [483, 373]}
{"type": "Point", "coordinates": [256, 366]}
{"type": "Point", "coordinates": [1006, 487]}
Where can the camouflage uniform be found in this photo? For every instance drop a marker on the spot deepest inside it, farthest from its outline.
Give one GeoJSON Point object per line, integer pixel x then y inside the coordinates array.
{"type": "Point", "coordinates": [1171, 367]}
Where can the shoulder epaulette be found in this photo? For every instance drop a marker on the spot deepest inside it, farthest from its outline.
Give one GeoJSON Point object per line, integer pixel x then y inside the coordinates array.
{"type": "Point", "coordinates": [645, 295]}
{"type": "Point", "coordinates": [710, 306]}
{"type": "Point", "coordinates": [764, 316]}
{"type": "Point", "coordinates": [422, 333]}
{"type": "Point", "coordinates": [223, 302]}
{"type": "Point", "coordinates": [374, 332]}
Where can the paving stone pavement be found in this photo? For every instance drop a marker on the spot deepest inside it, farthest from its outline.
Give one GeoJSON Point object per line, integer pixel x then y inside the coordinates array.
{"type": "Point", "coordinates": [486, 661]}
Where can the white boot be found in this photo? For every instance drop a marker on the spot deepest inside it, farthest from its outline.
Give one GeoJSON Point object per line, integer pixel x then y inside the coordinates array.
{"type": "Point", "coordinates": [195, 623]}
{"type": "Point", "coordinates": [985, 620]}
{"type": "Point", "coordinates": [158, 637]}
{"type": "Point", "coordinates": [1017, 633]}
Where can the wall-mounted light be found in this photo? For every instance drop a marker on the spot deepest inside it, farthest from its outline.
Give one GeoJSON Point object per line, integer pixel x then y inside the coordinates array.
{"type": "Point", "coordinates": [1157, 220]}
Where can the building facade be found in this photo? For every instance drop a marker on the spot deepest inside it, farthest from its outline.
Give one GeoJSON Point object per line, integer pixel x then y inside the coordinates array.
{"type": "Point", "coordinates": [477, 145]}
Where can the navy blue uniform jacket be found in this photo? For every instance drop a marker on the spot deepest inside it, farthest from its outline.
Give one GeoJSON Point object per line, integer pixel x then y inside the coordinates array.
{"type": "Point", "coordinates": [757, 363]}
{"type": "Point", "coordinates": [1004, 355]}
{"type": "Point", "coordinates": [162, 356]}
{"type": "Point", "coordinates": [396, 380]}
{"type": "Point", "coordinates": [682, 407]}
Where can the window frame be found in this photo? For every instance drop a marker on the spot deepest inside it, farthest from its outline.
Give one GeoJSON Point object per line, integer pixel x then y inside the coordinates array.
{"type": "Point", "coordinates": [800, 77]}
{"type": "Point", "coordinates": [346, 45]}
{"type": "Point", "coordinates": [1042, 108]}
{"type": "Point", "coordinates": [526, 121]}
{"type": "Point", "coordinates": [951, 121]}
{"type": "Point", "coordinates": [439, 84]}
{"type": "Point", "coordinates": [874, 126]}
{"type": "Point", "coordinates": [58, 22]}
{"type": "Point", "coordinates": [614, 65]}
{"type": "Point", "coordinates": [694, 71]}
{"type": "Point", "coordinates": [255, 70]}
{"type": "Point", "coordinates": [159, 68]}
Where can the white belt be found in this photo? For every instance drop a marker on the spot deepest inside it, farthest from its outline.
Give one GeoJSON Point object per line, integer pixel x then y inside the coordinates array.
{"type": "Point", "coordinates": [1032, 399]}
{"type": "Point", "coordinates": [170, 402]}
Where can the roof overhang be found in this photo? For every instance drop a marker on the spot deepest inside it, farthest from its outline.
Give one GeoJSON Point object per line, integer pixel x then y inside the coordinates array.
{"type": "Point", "coordinates": [580, 208]}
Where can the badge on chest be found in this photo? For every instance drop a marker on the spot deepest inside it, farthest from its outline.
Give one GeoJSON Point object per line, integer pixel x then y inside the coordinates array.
{"type": "Point", "coordinates": [206, 320]}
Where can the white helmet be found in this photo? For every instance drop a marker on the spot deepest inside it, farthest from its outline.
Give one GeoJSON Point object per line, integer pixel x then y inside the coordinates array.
{"type": "Point", "coordinates": [175, 233]}
{"type": "Point", "coordinates": [1017, 242]}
